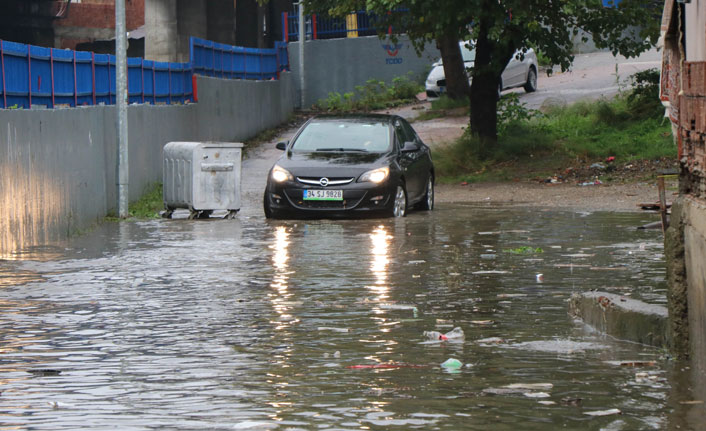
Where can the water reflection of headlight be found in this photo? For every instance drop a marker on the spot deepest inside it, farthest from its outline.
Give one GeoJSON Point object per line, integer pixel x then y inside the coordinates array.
{"type": "Point", "coordinates": [279, 259]}
{"type": "Point", "coordinates": [380, 258]}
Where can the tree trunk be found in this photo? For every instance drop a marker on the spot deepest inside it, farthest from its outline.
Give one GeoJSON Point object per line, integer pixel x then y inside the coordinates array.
{"type": "Point", "coordinates": [488, 67]}
{"type": "Point", "coordinates": [454, 70]}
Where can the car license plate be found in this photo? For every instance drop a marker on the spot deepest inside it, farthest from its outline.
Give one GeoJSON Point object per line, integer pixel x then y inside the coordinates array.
{"type": "Point", "coordinates": [323, 195]}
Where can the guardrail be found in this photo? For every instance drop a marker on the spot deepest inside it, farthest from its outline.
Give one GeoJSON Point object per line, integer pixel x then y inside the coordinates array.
{"type": "Point", "coordinates": [39, 77]}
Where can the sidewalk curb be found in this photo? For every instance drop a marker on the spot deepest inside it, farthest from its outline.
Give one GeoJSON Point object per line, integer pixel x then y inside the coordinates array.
{"type": "Point", "coordinates": [621, 317]}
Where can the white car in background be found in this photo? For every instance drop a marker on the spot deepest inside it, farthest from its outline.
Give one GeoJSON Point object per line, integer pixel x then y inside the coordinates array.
{"type": "Point", "coordinates": [517, 73]}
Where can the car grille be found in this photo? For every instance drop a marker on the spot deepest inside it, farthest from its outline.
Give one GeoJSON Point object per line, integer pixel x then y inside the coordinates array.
{"type": "Point", "coordinates": [334, 181]}
{"type": "Point", "coordinates": [432, 93]}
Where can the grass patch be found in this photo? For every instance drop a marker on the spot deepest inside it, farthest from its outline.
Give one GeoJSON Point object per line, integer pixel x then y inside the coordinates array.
{"type": "Point", "coordinates": [374, 95]}
{"type": "Point", "coordinates": [147, 207]}
{"type": "Point", "coordinates": [150, 204]}
{"type": "Point", "coordinates": [445, 107]}
{"type": "Point", "coordinates": [533, 144]}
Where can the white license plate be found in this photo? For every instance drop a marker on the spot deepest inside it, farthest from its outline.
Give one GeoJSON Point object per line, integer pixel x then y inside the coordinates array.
{"type": "Point", "coordinates": [323, 195]}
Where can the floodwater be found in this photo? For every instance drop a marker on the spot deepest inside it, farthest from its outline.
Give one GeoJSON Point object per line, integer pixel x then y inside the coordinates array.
{"type": "Point", "coordinates": [251, 324]}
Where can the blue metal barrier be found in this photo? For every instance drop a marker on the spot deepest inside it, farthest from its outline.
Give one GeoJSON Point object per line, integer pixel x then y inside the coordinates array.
{"type": "Point", "coordinates": [235, 62]}
{"type": "Point", "coordinates": [34, 76]}
{"type": "Point", "coordinates": [324, 27]}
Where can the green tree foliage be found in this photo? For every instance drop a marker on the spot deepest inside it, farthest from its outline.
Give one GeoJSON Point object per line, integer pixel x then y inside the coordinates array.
{"type": "Point", "coordinates": [500, 28]}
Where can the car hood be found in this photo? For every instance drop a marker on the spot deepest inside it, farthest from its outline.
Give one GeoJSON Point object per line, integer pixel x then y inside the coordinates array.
{"type": "Point", "coordinates": [332, 164]}
{"type": "Point", "coordinates": [437, 72]}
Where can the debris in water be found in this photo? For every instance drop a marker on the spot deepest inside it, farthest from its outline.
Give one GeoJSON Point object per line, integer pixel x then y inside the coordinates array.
{"type": "Point", "coordinates": [693, 402]}
{"type": "Point", "coordinates": [44, 372]}
{"type": "Point", "coordinates": [416, 262]}
{"type": "Point", "coordinates": [530, 386]}
{"type": "Point", "coordinates": [491, 340]}
{"type": "Point", "coordinates": [456, 334]}
{"type": "Point", "coordinates": [539, 278]}
{"type": "Point", "coordinates": [490, 272]}
{"type": "Point", "coordinates": [384, 366]}
{"type": "Point", "coordinates": [604, 412]}
{"type": "Point", "coordinates": [328, 328]}
{"type": "Point", "coordinates": [511, 295]}
{"type": "Point", "coordinates": [571, 401]}
{"type": "Point", "coordinates": [633, 363]}
{"type": "Point", "coordinates": [536, 395]}
{"type": "Point", "coordinates": [483, 322]}
{"type": "Point", "coordinates": [546, 403]}
{"type": "Point", "coordinates": [452, 364]}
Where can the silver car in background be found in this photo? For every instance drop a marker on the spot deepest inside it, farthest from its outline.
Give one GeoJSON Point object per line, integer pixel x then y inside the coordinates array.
{"type": "Point", "coordinates": [517, 73]}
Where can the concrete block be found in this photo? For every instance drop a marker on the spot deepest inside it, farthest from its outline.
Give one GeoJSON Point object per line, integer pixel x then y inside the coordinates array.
{"type": "Point", "coordinates": [621, 317]}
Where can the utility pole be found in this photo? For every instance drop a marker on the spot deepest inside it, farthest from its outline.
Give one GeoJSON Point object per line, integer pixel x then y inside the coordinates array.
{"type": "Point", "coordinates": [302, 38]}
{"type": "Point", "coordinates": [121, 105]}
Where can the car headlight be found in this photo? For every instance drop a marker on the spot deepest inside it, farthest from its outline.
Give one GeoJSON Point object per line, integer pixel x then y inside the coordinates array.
{"type": "Point", "coordinates": [280, 174]}
{"type": "Point", "coordinates": [376, 175]}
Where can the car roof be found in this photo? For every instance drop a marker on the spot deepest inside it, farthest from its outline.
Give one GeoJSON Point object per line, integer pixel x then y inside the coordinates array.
{"type": "Point", "coordinates": [358, 118]}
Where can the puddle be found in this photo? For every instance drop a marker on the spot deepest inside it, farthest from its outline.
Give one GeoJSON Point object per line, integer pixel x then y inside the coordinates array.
{"type": "Point", "coordinates": [254, 324]}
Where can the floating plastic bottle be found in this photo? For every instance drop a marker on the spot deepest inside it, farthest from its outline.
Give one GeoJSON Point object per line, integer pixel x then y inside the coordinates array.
{"type": "Point", "coordinates": [456, 334]}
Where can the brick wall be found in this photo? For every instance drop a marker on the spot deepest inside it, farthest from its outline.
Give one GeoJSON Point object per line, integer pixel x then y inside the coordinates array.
{"type": "Point", "coordinates": [692, 127]}
{"type": "Point", "coordinates": [101, 14]}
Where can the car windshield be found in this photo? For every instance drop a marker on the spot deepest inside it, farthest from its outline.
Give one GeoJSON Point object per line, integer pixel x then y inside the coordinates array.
{"type": "Point", "coordinates": [467, 54]}
{"type": "Point", "coordinates": [343, 136]}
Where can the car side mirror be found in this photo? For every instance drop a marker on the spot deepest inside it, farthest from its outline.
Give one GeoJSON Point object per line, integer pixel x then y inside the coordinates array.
{"type": "Point", "coordinates": [410, 146]}
{"type": "Point", "coordinates": [282, 145]}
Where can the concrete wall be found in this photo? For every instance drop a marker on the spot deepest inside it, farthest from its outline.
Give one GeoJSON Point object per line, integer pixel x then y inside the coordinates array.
{"type": "Point", "coordinates": [695, 262]}
{"type": "Point", "coordinates": [338, 65]}
{"type": "Point", "coordinates": [58, 167]}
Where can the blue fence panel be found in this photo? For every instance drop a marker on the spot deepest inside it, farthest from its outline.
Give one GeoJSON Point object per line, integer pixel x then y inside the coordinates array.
{"type": "Point", "coordinates": [113, 81]}
{"type": "Point", "coordinates": [40, 76]}
{"type": "Point", "coordinates": [135, 88]}
{"type": "Point", "coordinates": [84, 79]}
{"type": "Point", "coordinates": [16, 74]}
{"type": "Point", "coordinates": [176, 83]}
{"type": "Point", "coordinates": [64, 82]}
{"type": "Point", "coordinates": [282, 56]}
{"type": "Point", "coordinates": [148, 80]}
{"type": "Point", "coordinates": [102, 79]}
{"type": "Point", "coordinates": [161, 80]}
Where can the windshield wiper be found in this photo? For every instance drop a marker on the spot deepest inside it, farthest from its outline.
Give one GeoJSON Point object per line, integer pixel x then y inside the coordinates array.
{"type": "Point", "coordinates": [358, 150]}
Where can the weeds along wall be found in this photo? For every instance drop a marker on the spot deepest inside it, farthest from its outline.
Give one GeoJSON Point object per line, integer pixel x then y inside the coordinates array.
{"type": "Point", "coordinates": [58, 167]}
{"type": "Point", "coordinates": [339, 65]}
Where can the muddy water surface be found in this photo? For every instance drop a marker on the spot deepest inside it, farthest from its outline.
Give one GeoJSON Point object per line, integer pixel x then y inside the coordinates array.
{"type": "Point", "coordinates": [250, 324]}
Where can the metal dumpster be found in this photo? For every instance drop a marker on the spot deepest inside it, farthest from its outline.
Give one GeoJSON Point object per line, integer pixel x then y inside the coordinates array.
{"type": "Point", "coordinates": [202, 177]}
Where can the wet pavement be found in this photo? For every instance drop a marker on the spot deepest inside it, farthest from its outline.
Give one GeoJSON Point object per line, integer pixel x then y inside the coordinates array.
{"type": "Point", "coordinates": [300, 325]}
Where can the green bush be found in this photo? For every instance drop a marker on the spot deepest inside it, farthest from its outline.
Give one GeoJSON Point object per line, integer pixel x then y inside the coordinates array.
{"type": "Point", "coordinates": [373, 95]}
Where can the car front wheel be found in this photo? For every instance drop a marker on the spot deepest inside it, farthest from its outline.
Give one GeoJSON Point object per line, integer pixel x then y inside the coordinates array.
{"type": "Point", "coordinates": [427, 204]}
{"type": "Point", "coordinates": [399, 206]}
{"type": "Point", "coordinates": [266, 206]}
{"type": "Point", "coordinates": [531, 84]}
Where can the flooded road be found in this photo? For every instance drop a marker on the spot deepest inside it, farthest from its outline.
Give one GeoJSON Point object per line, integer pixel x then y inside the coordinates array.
{"type": "Point", "coordinates": [300, 325]}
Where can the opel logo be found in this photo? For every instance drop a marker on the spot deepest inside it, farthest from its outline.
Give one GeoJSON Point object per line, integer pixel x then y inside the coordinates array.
{"type": "Point", "coordinates": [323, 181]}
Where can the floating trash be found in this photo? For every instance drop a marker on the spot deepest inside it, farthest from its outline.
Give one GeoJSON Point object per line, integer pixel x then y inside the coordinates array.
{"type": "Point", "coordinates": [604, 412]}
{"type": "Point", "coordinates": [452, 364]}
{"type": "Point", "coordinates": [536, 395]}
{"type": "Point", "coordinates": [332, 329]}
{"type": "Point", "coordinates": [456, 334]}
